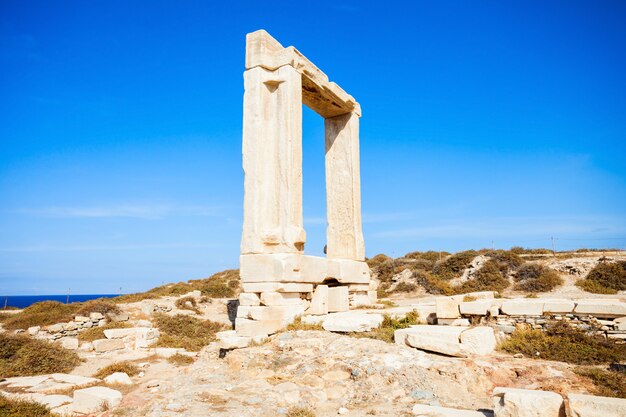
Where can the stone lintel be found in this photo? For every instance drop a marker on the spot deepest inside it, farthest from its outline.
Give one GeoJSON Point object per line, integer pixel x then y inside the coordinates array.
{"type": "Point", "coordinates": [318, 93]}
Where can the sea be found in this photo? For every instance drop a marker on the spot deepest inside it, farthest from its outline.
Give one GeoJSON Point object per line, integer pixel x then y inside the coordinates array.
{"type": "Point", "coordinates": [23, 301]}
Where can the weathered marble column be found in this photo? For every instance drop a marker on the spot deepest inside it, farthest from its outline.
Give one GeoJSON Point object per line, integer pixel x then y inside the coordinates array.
{"type": "Point", "coordinates": [272, 161]}
{"type": "Point", "coordinates": [343, 188]}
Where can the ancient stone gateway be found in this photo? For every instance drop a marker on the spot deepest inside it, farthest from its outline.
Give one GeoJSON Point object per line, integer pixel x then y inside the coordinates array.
{"type": "Point", "coordinates": [279, 281]}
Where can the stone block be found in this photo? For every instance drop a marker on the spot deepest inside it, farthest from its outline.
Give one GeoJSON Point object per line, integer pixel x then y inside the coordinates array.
{"type": "Point", "coordinates": [81, 319]}
{"type": "Point", "coordinates": [347, 271]}
{"type": "Point", "coordinates": [450, 334]}
{"type": "Point", "coordinates": [34, 330]}
{"type": "Point", "coordinates": [260, 287]}
{"type": "Point", "coordinates": [95, 316]}
{"type": "Point", "coordinates": [352, 322]}
{"type": "Point", "coordinates": [558, 306]}
{"type": "Point", "coordinates": [475, 308]}
{"type": "Point", "coordinates": [359, 298]}
{"type": "Point", "coordinates": [244, 311]}
{"type": "Point", "coordinates": [70, 343]}
{"type": "Point", "coordinates": [581, 405]}
{"type": "Point", "coordinates": [447, 308]}
{"type": "Point", "coordinates": [249, 299]}
{"type": "Point", "coordinates": [522, 307]}
{"type": "Point", "coordinates": [119, 333]}
{"type": "Point", "coordinates": [605, 308]}
{"type": "Point", "coordinates": [479, 340]}
{"type": "Point", "coordinates": [270, 267]}
{"type": "Point", "coordinates": [146, 336]}
{"type": "Point", "coordinates": [91, 400]}
{"type": "Point", "coordinates": [55, 328]}
{"type": "Point", "coordinates": [453, 322]}
{"type": "Point", "coordinates": [280, 298]}
{"type": "Point", "coordinates": [319, 301]}
{"type": "Point", "coordinates": [423, 410]}
{"type": "Point", "coordinates": [435, 344]}
{"type": "Point", "coordinates": [118, 378]}
{"type": "Point", "coordinates": [255, 328]}
{"type": "Point", "coordinates": [338, 299]}
{"type": "Point", "coordinates": [230, 340]}
{"type": "Point", "coordinates": [513, 402]}
{"type": "Point", "coordinates": [107, 345]}
{"type": "Point", "coordinates": [286, 314]}
{"type": "Point", "coordinates": [373, 296]}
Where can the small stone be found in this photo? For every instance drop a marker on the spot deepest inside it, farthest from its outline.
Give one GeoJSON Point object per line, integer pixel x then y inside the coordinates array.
{"type": "Point", "coordinates": [343, 410]}
{"type": "Point", "coordinates": [118, 378]}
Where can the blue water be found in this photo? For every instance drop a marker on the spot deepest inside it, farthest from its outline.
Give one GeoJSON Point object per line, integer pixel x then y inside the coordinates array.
{"type": "Point", "coordinates": [23, 301]}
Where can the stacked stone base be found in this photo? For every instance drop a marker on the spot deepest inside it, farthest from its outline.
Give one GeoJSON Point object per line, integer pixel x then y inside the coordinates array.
{"type": "Point", "coordinates": [280, 287]}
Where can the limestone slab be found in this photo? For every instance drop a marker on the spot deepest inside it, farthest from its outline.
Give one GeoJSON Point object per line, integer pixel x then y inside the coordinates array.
{"type": "Point", "coordinates": [259, 287]}
{"type": "Point", "coordinates": [280, 298]}
{"type": "Point", "coordinates": [478, 307]}
{"type": "Point", "coordinates": [479, 340]}
{"type": "Point", "coordinates": [522, 307]}
{"type": "Point", "coordinates": [435, 344]}
{"type": "Point", "coordinates": [352, 322]}
{"type": "Point", "coordinates": [107, 345]}
{"type": "Point", "coordinates": [319, 301]}
{"type": "Point", "coordinates": [249, 299]}
{"type": "Point", "coordinates": [447, 308]}
{"type": "Point", "coordinates": [581, 405]}
{"type": "Point", "coordinates": [513, 402]}
{"type": "Point", "coordinates": [423, 410]}
{"type": "Point", "coordinates": [606, 308]}
{"type": "Point", "coordinates": [92, 400]}
{"type": "Point", "coordinates": [558, 306]}
{"type": "Point", "coordinates": [338, 299]}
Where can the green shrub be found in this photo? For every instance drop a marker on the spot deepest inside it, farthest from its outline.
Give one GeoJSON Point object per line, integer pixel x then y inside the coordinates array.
{"type": "Point", "coordinates": [607, 383]}
{"type": "Point", "coordinates": [536, 278]}
{"type": "Point", "coordinates": [561, 342]}
{"type": "Point", "coordinates": [491, 277]}
{"type": "Point", "coordinates": [21, 408]}
{"type": "Point", "coordinates": [25, 356]}
{"type": "Point", "coordinates": [605, 278]}
{"type": "Point", "coordinates": [182, 331]}
{"type": "Point", "coordinates": [454, 265]}
{"type": "Point", "coordinates": [388, 327]}
{"type": "Point", "coordinates": [128, 368]}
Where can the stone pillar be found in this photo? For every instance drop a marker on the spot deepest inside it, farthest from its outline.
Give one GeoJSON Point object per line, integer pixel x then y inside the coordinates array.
{"type": "Point", "coordinates": [344, 233]}
{"type": "Point", "coordinates": [272, 161]}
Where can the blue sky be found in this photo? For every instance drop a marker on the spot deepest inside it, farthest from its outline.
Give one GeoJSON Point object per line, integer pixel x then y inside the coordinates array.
{"type": "Point", "coordinates": [120, 130]}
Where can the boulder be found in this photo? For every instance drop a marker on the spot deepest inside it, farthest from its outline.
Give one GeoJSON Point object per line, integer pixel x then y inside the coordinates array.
{"type": "Point", "coordinates": [107, 345]}
{"type": "Point", "coordinates": [447, 308]}
{"type": "Point", "coordinates": [118, 378]}
{"type": "Point", "coordinates": [591, 406]}
{"type": "Point", "coordinates": [95, 399]}
{"type": "Point", "coordinates": [523, 307]}
{"type": "Point", "coordinates": [479, 340]}
{"type": "Point", "coordinates": [606, 308]}
{"type": "Point", "coordinates": [434, 344]}
{"type": "Point", "coordinates": [352, 322]}
{"type": "Point", "coordinates": [422, 410]}
{"type": "Point", "coordinates": [513, 402]}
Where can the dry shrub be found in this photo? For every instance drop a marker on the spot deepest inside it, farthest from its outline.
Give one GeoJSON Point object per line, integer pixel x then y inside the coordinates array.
{"type": "Point", "coordinates": [180, 360]}
{"type": "Point", "coordinates": [432, 284]}
{"type": "Point", "coordinates": [188, 303]}
{"type": "Point", "coordinates": [41, 314]}
{"type": "Point", "coordinates": [24, 356]}
{"type": "Point", "coordinates": [388, 327]}
{"type": "Point", "coordinates": [605, 278]}
{"type": "Point", "coordinates": [561, 342]}
{"type": "Point", "coordinates": [128, 368]}
{"type": "Point", "coordinates": [607, 383]}
{"type": "Point", "coordinates": [190, 333]}
{"type": "Point", "coordinates": [511, 259]}
{"type": "Point", "coordinates": [300, 412]}
{"type": "Point", "coordinates": [100, 305]}
{"type": "Point", "coordinates": [97, 332]}
{"type": "Point", "coordinates": [21, 408]}
{"type": "Point", "coordinates": [491, 277]}
{"type": "Point", "coordinates": [536, 278]}
{"type": "Point", "coordinates": [405, 287]}
{"type": "Point", "coordinates": [454, 265]}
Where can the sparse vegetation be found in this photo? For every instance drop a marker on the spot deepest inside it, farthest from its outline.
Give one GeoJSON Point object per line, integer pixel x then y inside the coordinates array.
{"type": "Point", "coordinates": [561, 342]}
{"type": "Point", "coordinates": [297, 324]}
{"type": "Point", "coordinates": [220, 285]}
{"type": "Point", "coordinates": [97, 332]}
{"type": "Point", "coordinates": [454, 265]}
{"type": "Point", "coordinates": [190, 333]}
{"type": "Point", "coordinates": [180, 359]}
{"type": "Point", "coordinates": [24, 356]}
{"type": "Point", "coordinates": [300, 412]}
{"type": "Point", "coordinates": [491, 277]}
{"type": "Point", "coordinates": [128, 368]}
{"type": "Point", "coordinates": [536, 278]}
{"type": "Point", "coordinates": [188, 303]}
{"type": "Point", "coordinates": [607, 383]}
{"type": "Point", "coordinates": [20, 408]}
{"type": "Point", "coordinates": [605, 278]}
{"type": "Point", "coordinates": [388, 327]}
{"type": "Point", "coordinates": [100, 305]}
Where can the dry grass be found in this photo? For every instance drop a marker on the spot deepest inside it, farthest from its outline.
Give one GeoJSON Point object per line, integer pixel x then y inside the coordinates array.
{"type": "Point", "coordinates": [24, 356]}
{"type": "Point", "coordinates": [128, 368]}
{"type": "Point", "coordinates": [605, 278]}
{"type": "Point", "coordinates": [95, 333]}
{"type": "Point", "coordinates": [188, 303]}
{"type": "Point", "coordinates": [388, 327]}
{"type": "Point", "coordinates": [190, 333]}
{"type": "Point", "coordinates": [561, 342]}
{"type": "Point", "coordinates": [21, 408]}
{"type": "Point", "coordinates": [607, 383]}
{"type": "Point", "coordinates": [299, 325]}
{"type": "Point", "coordinates": [300, 412]}
{"type": "Point", "coordinates": [491, 277]}
{"type": "Point", "coordinates": [180, 360]}
{"type": "Point", "coordinates": [454, 265]}
{"type": "Point", "coordinates": [220, 285]}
